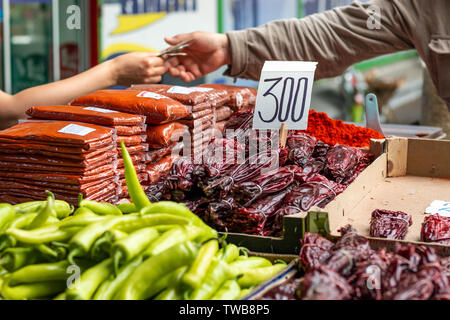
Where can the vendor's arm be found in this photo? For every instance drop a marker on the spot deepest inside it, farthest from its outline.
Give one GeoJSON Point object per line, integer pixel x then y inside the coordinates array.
{"type": "Point", "coordinates": [124, 70]}
{"type": "Point", "coordinates": [336, 39]}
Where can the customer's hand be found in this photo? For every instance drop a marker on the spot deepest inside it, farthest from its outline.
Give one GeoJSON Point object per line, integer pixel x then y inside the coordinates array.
{"type": "Point", "coordinates": [206, 53]}
{"type": "Point", "coordinates": [137, 68]}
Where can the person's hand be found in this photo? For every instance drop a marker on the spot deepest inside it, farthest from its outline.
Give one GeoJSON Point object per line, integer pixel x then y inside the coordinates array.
{"type": "Point", "coordinates": [207, 52]}
{"type": "Point", "coordinates": [137, 68]}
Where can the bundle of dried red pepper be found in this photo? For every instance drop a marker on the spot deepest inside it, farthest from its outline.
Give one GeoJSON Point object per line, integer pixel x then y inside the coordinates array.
{"type": "Point", "coordinates": [351, 269]}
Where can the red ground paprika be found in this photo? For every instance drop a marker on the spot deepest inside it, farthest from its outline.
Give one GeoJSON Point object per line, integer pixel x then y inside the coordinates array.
{"type": "Point", "coordinates": [334, 132]}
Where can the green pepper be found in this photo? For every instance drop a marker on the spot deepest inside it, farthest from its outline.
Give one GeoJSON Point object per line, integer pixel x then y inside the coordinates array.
{"type": "Point", "coordinates": [61, 296]}
{"type": "Point", "coordinates": [142, 284]}
{"type": "Point", "coordinates": [81, 243]}
{"type": "Point", "coordinates": [46, 252]}
{"type": "Point", "coordinates": [81, 220]}
{"type": "Point", "coordinates": [13, 259]}
{"type": "Point", "coordinates": [7, 241]}
{"type": "Point", "coordinates": [231, 253]}
{"type": "Point", "coordinates": [177, 209]}
{"type": "Point", "coordinates": [244, 292]}
{"type": "Point", "coordinates": [100, 208]}
{"type": "Point", "coordinates": [82, 210]}
{"type": "Point", "coordinates": [101, 248]}
{"type": "Point", "coordinates": [62, 208]}
{"type": "Point", "coordinates": [250, 262]}
{"type": "Point", "coordinates": [127, 208]}
{"type": "Point", "coordinates": [254, 276]}
{"type": "Point", "coordinates": [45, 212]}
{"type": "Point", "coordinates": [137, 194]}
{"type": "Point", "coordinates": [112, 285]}
{"type": "Point", "coordinates": [43, 235]}
{"type": "Point", "coordinates": [133, 223]}
{"type": "Point", "coordinates": [229, 290]}
{"type": "Point", "coordinates": [7, 215]}
{"type": "Point", "coordinates": [40, 273]}
{"type": "Point", "coordinates": [217, 274]}
{"type": "Point", "coordinates": [32, 291]}
{"type": "Point", "coordinates": [173, 237]}
{"type": "Point", "coordinates": [197, 271]}
{"type": "Point", "coordinates": [90, 281]}
{"type": "Point", "coordinates": [128, 248]}
{"type": "Point", "coordinates": [175, 290]}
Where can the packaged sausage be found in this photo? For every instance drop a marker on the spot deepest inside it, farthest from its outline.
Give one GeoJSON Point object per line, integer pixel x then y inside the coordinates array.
{"type": "Point", "coordinates": [74, 179]}
{"type": "Point", "coordinates": [223, 113]}
{"type": "Point", "coordinates": [164, 135]}
{"type": "Point", "coordinates": [197, 122]}
{"type": "Point", "coordinates": [136, 158]}
{"type": "Point", "coordinates": [238, 97]}
{"type": "Point", "coordinates": [104, 117]}
{"type": "Point", "coordinates": [132, 150]}
{"type": "Point", "coordinates": [98, 160]}
{"type": "Point", "coordinates": [130, 130]}
{"type": "Point", "coordinates": [42, 168]}
{"type": "Point", "coordinates": [188, 95]}
{"type": "Point", "coordinates": [157, 108]}
{"type": "Point", "coordinates": [161, 168]}
{"type": "Point", "coordinates": [52, 185]}
{"type": "Point", "coordinates": [155, 155]}
{"type": "Point", "coordinates": [199, 114]}
{"type": "Point", "coordinates": [132, 140]}
{"type": "Point", "coordinates": [73, 134]}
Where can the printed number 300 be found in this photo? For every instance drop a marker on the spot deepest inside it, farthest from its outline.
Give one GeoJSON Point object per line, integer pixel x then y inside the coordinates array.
{"type": "Point", "coordinates": [288, 84]}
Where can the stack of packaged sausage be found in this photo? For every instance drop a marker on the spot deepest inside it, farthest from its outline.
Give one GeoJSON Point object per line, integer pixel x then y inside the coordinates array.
{"type": "Point", "coordinates": [162, 134]}
{"type": "Point", "coordinates": [129, 127]}
{"type": "Point", "coordinates": [239, 98]}
{"type": "Point", "coordinates": [68, 158]}
{"type": "Point", "coordinates": [198, 124]}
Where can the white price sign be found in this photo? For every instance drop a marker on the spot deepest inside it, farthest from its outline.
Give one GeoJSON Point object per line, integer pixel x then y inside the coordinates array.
{"type": "Point", "coordinates": [284, 95]}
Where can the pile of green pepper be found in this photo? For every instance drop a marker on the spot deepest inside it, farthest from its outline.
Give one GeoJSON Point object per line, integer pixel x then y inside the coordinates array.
{"type": "Point", "coordinates": [134, 251]}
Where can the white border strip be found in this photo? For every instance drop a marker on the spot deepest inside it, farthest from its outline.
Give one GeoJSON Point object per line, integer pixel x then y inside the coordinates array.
{"type": "Point", "coordinates": [56, 42]}
{"type": "Point", "coordinates": [7, 47]}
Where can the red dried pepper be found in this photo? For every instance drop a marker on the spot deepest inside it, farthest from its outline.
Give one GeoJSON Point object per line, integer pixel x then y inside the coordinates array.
{"type": "Point", "coordinates": [334, 132]}
{"type": "Point", "coordinates": [389, 224]}
{"type": "Point", "coordinates": [436, 228]}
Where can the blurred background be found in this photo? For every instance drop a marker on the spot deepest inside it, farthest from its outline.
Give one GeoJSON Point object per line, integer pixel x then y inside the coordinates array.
{"type": "Point", "coordinates": [47, 40]}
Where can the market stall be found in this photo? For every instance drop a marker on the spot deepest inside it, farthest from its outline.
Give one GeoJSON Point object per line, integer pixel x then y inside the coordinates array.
{"type": "Point", "coordinates": [144, 196]}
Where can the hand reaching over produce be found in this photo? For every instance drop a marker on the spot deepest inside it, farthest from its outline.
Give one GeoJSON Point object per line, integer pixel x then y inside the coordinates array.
{"type": "Point", "coordinates": [207, 52]}
{"type": "Point", "coordinates": [125, 70]}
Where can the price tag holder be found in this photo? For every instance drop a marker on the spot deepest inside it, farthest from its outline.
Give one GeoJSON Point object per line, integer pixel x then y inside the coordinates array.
{"type": "Point", "coordinates": [284, 95]}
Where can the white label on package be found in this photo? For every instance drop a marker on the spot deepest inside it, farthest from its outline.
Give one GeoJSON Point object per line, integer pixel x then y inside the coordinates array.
{"type": "Point", "coordinates": [187, 90]}
{"type": "Point", "coordinates": [439, 207]}
{"type": "Point", "coordinates": [100, 110]}
{"type": "Point", "coordinates": [147, 94]}
{"type": "Point", "coordinates": [284, 95]}
{"type": "Point", "coordinates": [76, 129]}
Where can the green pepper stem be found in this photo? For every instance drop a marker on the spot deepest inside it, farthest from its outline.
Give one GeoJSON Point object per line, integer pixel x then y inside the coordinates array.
{"type": "Point", "coordinates": [73, 254]}
{"type": "Point", "coordinates": [116, 259]}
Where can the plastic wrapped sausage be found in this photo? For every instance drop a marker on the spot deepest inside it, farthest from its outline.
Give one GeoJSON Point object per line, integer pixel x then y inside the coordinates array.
{"type": "Point", "coordinates": [165, 134]}
{"type": "Point", "coordinates": [73, 134]}
{"type": "Point", "coordinates": [102, 158]}
{"type": "Point", "coordinates": [157, 108]}
{"type": "Point", "coordinates": [188, 95]}
{"type": "Point", "coordinates": [238, 97]}
{"type": "Point", "coordinates": [104, 117]}
{"type": "Point", "coordinates": [161, 168]}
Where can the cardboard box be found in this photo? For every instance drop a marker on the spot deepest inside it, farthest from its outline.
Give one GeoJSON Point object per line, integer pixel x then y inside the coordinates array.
{"type": "Point", "coordinates": [407, 176]}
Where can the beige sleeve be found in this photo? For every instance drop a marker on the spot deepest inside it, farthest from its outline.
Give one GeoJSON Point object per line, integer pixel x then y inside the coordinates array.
{"type": "Point", "coordinates": [336, 39]}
